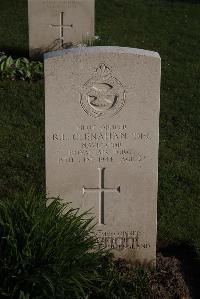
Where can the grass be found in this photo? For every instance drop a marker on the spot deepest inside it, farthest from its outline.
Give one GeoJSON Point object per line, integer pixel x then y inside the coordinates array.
{"type": "Point", "coordinates": [169, 27]}
{"type": "Point", "coordinates": [14, 27]}
{"type": "Point", "coordinates": [22, 137]}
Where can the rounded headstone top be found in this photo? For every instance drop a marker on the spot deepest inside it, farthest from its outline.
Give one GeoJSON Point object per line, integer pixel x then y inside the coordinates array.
{"type": "Point", "coordinates": [101, 49]}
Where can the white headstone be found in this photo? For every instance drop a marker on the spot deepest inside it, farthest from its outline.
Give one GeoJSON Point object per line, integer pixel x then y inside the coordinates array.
{"type": "Point", "coordinates": [102, 137]}
{"type": "Point", "coordinates": [54, 24]}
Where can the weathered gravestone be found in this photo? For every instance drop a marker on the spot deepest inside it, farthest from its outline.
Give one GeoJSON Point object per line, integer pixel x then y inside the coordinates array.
{"type": "Point", "coordinates": [102, 136]}
{"type": "Point", "coordinates": [54, 24]}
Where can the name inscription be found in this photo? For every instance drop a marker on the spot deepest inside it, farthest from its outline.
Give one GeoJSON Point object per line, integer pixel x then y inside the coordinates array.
{"type": "Point", "coordinates": [105, 143]}
{"type": "Point", "coordinates": [121, 240]}
{"type": "Point", "coordinates": [61, 4]}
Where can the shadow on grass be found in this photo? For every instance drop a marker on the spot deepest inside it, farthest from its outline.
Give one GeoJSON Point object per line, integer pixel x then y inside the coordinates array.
{"type": "Point", "coordinates": [184, 1]}
{"type": "Point", "coordinates": [14, 27]}
{"type": "Point", "coordinates": [16, 52]}
{"type": "Point", "coordinates": [190, 264]}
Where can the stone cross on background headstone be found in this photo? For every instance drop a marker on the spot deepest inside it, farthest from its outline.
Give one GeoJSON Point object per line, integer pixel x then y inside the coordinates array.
{"type": "Point", "coordinates": [101, 190]}
{"type": "Point", "coordinates": [61, 26]}
{"type": "Point", "coordinates": [43, 16]}
{"type": "Point", "coordinates": [102, 112]}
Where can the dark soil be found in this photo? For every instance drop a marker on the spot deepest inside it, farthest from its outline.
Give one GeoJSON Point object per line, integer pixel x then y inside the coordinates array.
{"type": "Point", "coordinates": [168, 279]}
{"type": "Point", "coordinates": [189, 265]}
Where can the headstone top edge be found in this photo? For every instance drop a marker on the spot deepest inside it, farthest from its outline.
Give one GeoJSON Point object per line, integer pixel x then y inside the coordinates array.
{"type": "Point", "coordinates": [102, 49]}
{"type": "Point", "coordinates": [59, 0]}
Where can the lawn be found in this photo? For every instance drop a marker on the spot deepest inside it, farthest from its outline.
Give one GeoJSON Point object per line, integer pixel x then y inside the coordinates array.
{"type": "Point", "coordinates": [169, 27]}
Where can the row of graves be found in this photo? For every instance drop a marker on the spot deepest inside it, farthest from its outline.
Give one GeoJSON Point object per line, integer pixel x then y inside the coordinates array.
{"type": "Point", "coordinates": [101, 126]}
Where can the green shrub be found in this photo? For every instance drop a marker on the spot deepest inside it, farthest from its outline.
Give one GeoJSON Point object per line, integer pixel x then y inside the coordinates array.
{"type": "Point", "coordinates": [43, 252]}
{"type": "Point", "coordinates": [20, 68]}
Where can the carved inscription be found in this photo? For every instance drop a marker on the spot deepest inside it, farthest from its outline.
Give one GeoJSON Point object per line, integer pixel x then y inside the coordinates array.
{"type": "Point", "coordinates": [121, 240]}
{"type": "Point", "coordinates": [106, 143]}
{"type": "Point", "coordinates": [61, 4]}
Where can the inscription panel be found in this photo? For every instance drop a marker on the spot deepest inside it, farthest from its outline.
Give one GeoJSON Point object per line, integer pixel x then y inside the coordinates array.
{"type": "Point", "coordinates": [61, 4]}
{"type": "Point", "coordinates": [102, 151]}
{"type": "Point", "coordinates": [107, 143]}
{"type": "Point", "coordinates": [121, 240]}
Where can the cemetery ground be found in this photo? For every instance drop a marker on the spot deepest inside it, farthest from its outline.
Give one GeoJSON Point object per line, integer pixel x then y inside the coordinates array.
{"type": "Point", "coordinates": [172, 29]}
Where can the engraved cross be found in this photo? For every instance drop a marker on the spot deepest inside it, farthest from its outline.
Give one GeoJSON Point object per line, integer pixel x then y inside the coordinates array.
{"type": "Point", "coordinates": [101, 190]}
{"type": "Point", "coordinates": [62, 27]}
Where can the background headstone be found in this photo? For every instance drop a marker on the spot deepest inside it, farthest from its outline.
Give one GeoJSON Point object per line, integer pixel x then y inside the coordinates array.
{"type": "Point", "coordinates": [102, 136]}
{"type": "Point", "coordinates": [54, 24]}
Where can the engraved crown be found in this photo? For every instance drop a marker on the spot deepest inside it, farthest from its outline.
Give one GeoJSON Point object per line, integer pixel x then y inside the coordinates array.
{"type": "Point", "coordinates": [103, 70]}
